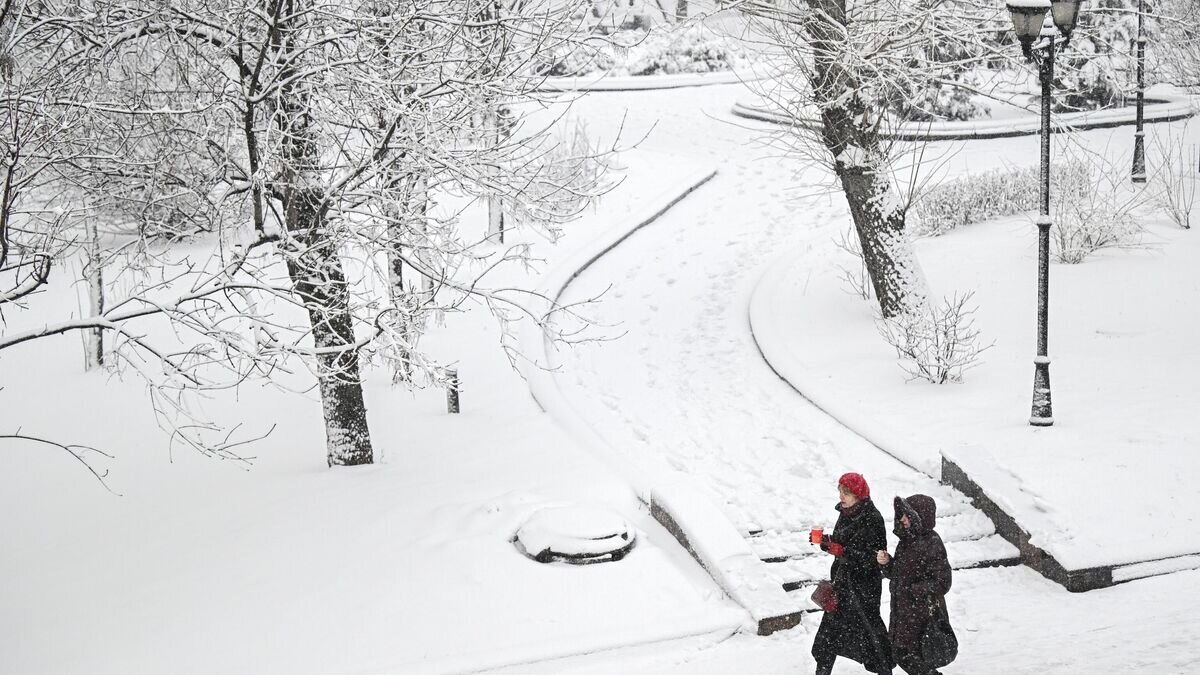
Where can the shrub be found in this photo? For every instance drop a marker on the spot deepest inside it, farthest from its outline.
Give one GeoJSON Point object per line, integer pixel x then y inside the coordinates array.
{"type": "Point", "coordinates": [1174, 179]}
{"type": "Point", "coordinates": [693, 49]}
{"type": "Point", "coordinates": [936, 343]}
{"type": "Point", "coordinates": [1099, 214]}
{"type": "Point", "coordinates": [975, 198]}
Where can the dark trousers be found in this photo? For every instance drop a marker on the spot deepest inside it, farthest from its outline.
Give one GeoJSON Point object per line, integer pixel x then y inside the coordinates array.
{"type": "Point", "coordinates": [911, 662]}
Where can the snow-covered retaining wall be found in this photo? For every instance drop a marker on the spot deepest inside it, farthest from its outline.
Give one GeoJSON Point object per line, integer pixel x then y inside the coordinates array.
{"type": "Point", "coordinates": [1167, 109]}
{"type": "Point", "coordinates": [1074, 580]}
{"type": "Point", "coordinates": [712, 540]}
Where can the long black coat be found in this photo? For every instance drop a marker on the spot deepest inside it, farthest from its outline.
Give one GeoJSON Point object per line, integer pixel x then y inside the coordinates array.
{"type": "Point", "coordinates": [856, 630]}
{"type": "Point", "coordinates": [919, 572]}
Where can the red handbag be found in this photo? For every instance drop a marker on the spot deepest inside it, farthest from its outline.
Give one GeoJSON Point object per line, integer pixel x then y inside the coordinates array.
{"type": "Point", "coordinates": [825, 596]}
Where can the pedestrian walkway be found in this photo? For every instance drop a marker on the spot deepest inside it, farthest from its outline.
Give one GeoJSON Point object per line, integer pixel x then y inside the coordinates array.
{"type": "Point", "coordinates": [685, 385]}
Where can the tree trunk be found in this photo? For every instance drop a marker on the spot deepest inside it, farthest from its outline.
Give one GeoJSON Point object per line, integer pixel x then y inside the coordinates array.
{"type": "Point", "coordinates": [93, 356]}
{"type": "Point", "coordinates": [315, 266]}
{"type": "Point", "coordinates": [492, 124]}
{"type": "Point", "coordinates": [681, 10]}
{"type": "Point", "coordinates": [860, 162]}
{"type": "Point", "coordinates": [320, 281]}
{"type": "Point", "coordinates": [414, 196]}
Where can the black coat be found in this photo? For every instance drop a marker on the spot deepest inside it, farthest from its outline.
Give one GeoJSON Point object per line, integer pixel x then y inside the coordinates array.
{"type": "Point", "coordinates": [919, 572]}
{"type": "Point", "coordinates": [856, 630]}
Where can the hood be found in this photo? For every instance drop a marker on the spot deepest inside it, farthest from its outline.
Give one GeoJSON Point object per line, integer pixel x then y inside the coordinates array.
{"type": "Point", "coordinates": [921, 511]}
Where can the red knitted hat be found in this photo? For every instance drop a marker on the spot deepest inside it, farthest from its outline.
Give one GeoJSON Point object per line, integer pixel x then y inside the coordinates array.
{"type": "Point", "coordinates": [855, 483]}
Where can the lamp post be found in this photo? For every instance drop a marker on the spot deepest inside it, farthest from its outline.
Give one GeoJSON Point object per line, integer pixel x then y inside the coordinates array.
{"type": "Point", "coordinates": [1028, 17]}
{"type": "Point", "coordinates": [1139, 136]}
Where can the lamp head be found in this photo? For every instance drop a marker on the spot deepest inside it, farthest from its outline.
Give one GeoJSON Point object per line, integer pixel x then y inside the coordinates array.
{"type": "Point", "coordinates": [1028, 17]}
{"type": "Point", "coordinates": [1065, 13]}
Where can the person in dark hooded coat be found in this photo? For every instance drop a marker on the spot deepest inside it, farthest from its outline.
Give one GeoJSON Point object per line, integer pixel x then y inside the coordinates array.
{"type": "Point", "coordinates": [920, 578]}
{"type": "Point", "coordinates": [855, 630]}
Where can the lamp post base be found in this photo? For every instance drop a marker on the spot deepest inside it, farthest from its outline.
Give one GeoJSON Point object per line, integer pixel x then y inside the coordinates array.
{"type": "Point", "coordinates": [1043, 413]}
{"type": "Point", "coordinates": [1138, 175]}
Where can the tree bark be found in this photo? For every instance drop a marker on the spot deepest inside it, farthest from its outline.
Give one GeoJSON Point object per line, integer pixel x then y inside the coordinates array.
{"type": "Point", "coordinates": [320, 282]}
{"type": "Point", "coordinates": [852, 137]}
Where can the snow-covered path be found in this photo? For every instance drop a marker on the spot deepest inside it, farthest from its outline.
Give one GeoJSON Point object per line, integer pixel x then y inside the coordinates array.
{"type": "Point", "coordinates": [685, 384]}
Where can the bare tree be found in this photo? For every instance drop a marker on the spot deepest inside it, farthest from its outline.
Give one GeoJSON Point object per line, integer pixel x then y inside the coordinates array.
{"type": "Point", "coordinates": [845, 63]}
{"type": "Point", "coordinates": [328, 154]}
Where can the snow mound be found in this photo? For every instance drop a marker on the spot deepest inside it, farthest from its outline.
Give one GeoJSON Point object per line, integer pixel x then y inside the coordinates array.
{"type": "Point", "coordinates": [575, 534]}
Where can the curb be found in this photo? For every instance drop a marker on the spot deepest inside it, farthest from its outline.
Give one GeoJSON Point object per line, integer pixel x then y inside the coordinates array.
{"type": "Point", "coordinates": [544, 388]}
{"type": "Point", "coordinates": [606, 82]}
{"type": "Point", "coordinates": [785, 261]}
{"type": "Point", "coordinates": [1166, 109]}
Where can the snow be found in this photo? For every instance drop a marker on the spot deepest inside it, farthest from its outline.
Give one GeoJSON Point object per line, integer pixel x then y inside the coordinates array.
{"type": "Point", "coordinates": [1038, 4]}
{"type": "Point", "coordinates": [200, 566]}
{"type": "Point", "coordinates": [1007, 621]}
{"type": "Point", "coordinates": [574, 530]}
{"type": "Point", "coordinates": [1156, 567]}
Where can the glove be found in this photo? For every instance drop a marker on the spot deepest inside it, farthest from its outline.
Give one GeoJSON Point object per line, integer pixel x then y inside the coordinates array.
{"type": "Point", "coordinates": [836, 549]}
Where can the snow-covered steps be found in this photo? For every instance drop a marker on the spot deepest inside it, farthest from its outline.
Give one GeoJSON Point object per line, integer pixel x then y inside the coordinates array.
{"type": "Point", "coordinates": [970, 537]}
{"type": "Point", "coordinates": [990, 551]}
{"type": "Point", "coordinates": [690, 516]}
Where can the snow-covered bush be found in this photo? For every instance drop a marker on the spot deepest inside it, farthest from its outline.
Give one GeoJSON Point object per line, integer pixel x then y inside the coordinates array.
{"type": "Point", "coordinates": [1097, 215]}
{"type": "Point", "coordinates": [577, 60]}
{"type": "Point", "coordinates": [691, 49]}
{"type": "Point", "coordinates": [976, 198]}
{"type": "Point", "coordinates": [936, 343]}
{"type": "Point", "coordinates": [1174, 178]}
{"type": "Point", "coordinates": [571, 176]}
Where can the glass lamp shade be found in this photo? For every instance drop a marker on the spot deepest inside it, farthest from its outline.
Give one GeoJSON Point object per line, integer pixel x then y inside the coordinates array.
{"type": "Point", "coordinates": [1065, 13]}
{"type": "Point", "coordinates": [1028, 15]}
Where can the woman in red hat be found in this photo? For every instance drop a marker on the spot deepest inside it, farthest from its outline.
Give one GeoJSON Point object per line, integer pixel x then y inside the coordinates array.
{"type": "Point", "coordinates": [855, 629]}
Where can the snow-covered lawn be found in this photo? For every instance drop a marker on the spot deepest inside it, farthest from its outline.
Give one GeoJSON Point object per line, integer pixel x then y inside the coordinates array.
{"type": "Point", "coordinates": [200, 566]}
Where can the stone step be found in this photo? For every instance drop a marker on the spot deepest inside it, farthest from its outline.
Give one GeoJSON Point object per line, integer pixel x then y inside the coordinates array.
{"type": "Point", "coordinates": [991, 551]}
{"type": "Point", "coordinates": [776, 545]}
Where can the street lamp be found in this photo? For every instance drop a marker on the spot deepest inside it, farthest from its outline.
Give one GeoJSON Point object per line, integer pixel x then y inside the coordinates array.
{"type": "Point", "coordinates": [1139, 136]}
{"type": "Point", "coordinates": [1028, 18]}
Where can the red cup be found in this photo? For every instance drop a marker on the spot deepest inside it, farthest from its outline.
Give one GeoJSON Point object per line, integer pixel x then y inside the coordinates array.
{"type": "Point", "coordinates": [816, 535]}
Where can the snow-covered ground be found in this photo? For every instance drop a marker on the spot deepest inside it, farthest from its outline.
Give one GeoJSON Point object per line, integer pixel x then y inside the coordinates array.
{"type": "Point", "coordinates": [1007, 621]}
{"type": "Point", "coordinates": [407, 567]}
{"type": "Point", "coordinates": [200, 566]}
